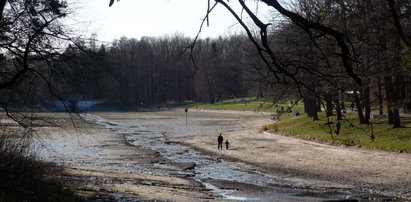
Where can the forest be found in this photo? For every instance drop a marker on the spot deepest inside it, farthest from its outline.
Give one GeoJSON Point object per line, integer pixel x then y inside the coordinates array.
{"type": "Point", "coordinates": [153, 71]}
{"type": "Point", "coordinates": [331, 52]}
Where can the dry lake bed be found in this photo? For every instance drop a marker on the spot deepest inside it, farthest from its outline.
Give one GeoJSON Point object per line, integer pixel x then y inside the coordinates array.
{"type": "Point", "coordinates": [166, 155]}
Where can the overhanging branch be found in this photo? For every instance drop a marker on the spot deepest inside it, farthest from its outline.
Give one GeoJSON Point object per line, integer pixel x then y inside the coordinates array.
{"type": "Point", "coordinates": [305, 24]}
{"type": "Point", "coordinates": [397, 23]}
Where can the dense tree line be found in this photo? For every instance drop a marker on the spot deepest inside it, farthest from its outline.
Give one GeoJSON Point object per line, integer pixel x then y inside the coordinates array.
{"type": "Point", "coordinates": [331, 51]}
{"type": "Point", "coordinates": [156, 70]}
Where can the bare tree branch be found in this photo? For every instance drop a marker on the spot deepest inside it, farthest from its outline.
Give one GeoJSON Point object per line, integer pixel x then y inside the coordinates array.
{"type": "Point", "coordinates": [396, 18]}
{"type": "Point", "coordinates": [305, 24]}
{"type": "Point", "coordinates": [2, 5]}
{"type": "Point", "coordinates": [260, 49]}
{"type": "Point", "coordinates": [25, 57]}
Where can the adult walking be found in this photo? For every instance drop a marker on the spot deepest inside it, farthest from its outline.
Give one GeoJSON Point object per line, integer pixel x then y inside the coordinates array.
{"type": "Point", "coordinates": [220, 140]}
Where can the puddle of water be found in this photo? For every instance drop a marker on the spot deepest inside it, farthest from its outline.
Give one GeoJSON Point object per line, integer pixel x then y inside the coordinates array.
{"type": "Point", "coordinates": [226, 194]}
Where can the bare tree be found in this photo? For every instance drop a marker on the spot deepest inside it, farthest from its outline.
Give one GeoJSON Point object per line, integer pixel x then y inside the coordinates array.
{"type": "Point", "coordinates": [30, 38]}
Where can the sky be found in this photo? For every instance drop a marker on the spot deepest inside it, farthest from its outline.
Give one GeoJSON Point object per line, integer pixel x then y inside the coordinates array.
{"type": "Point", "coordinates": [137, 18]}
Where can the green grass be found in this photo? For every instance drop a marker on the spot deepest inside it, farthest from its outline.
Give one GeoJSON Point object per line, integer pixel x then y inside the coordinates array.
{"type": "Point", "coordinates": [245, 104]}
{"type": "Point", "coordinates": [386, 137]}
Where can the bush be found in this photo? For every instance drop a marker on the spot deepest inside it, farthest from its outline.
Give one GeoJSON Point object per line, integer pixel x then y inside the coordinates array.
{"type": "Point", "coordinates": [22, 177]}
{"type": "Point", "coordinates": [18, 165]}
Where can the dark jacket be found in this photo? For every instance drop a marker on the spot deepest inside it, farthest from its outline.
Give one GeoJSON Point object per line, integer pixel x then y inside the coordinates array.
{"type": "Point", "coordinates": [220, 139]}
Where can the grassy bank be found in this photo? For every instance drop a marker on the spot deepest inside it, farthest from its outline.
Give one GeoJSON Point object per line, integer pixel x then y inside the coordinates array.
{"type": "Point", "coordinates": [351, 133]}
{"type": "Point", "coordinates": [253, 104]}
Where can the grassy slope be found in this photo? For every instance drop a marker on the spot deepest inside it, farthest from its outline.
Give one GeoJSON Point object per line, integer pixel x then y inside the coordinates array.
{"type": "Point", "coordinates": [245, 104]}
{"type": "Point", "coordinates": [386, 137]}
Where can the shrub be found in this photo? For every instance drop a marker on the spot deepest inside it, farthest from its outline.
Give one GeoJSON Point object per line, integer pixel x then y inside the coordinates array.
{"type": "Point", "coordinates": [18, 165]}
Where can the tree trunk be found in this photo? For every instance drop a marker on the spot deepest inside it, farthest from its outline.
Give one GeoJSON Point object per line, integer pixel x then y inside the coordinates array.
{"type": "Point", "coordinates": [329, 105]}
{"type": "Point", "coordinates": [315, 108]}
{"type": "Point", "coordinates": [338, 109]}
{"type": "Point", "coordinates": [311, 107]}
{"type": "Point", "coordinates": [397, 84]}
{"type": "Point", "coordinates": [359, 108]}
{"type": "Point", "coordinates": [396, 119]}
{"type": "Point", "coordinates": [390, 116]}
{"type": "Point", "coordinates": [318, 103]}
{"type": "Point", "coordinates": [341, 98]}
{"type": "Point", "coordinates": [306, 106]}
{"type": "Point", "coordinates": [366, 99]}
{"type": "Point", "coordinates": [337, 101]}
{"type": "Point", "coordinates": [380, 98]}
{"type": "Point", "coordinates": [393, 112]}
{"type": "Point", "coordinates": [407, 96]}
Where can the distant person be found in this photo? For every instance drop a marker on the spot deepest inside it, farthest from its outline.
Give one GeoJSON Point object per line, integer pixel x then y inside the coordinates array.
{"type": "Point", "coordinates": [220, 140]}
{"type": "Point", "coordinates": [352, 106]}
{"type": "Point", "coordinates": [226, 144]}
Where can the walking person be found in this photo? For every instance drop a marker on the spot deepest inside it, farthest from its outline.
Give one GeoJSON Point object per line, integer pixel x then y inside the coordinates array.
{"type": "Point", "coordinates": [226, 144]}
{"type": "Point", "coordinates": [220, 140]}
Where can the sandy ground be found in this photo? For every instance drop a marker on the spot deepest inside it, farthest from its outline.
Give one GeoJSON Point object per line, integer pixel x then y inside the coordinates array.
{"type": "Point", "coordinates": [313, 164]}
{"type": "Point", "coordinates": [100, 165]}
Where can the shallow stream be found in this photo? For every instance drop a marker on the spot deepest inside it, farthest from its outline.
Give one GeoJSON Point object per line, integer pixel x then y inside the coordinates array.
{"type": "Point", "coordinates": [208, 169]}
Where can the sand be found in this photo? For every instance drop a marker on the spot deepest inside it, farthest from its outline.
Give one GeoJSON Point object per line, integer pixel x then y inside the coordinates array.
{"type": "Point", "coordinates": [313, 164]}
{"type": "Point", "coordinates": [100, 165]}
